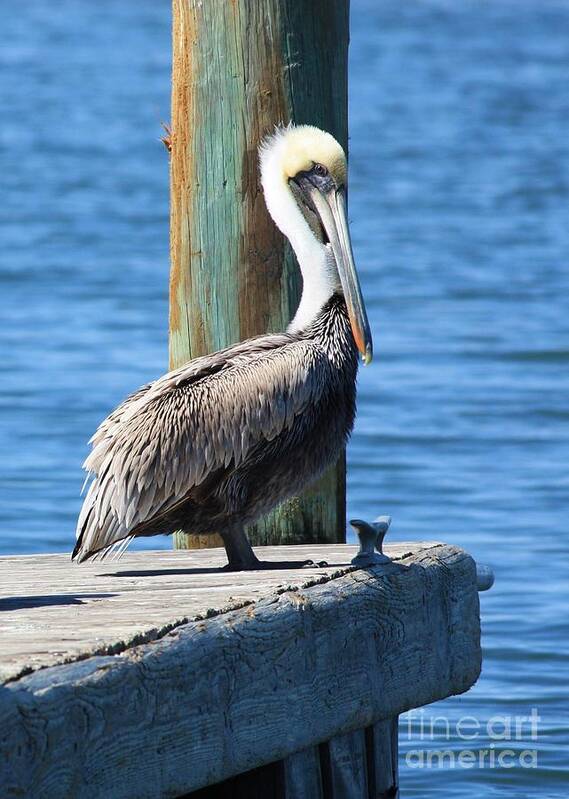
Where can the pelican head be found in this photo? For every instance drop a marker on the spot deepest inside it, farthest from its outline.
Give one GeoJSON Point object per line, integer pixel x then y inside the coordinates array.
{"type": "Point", "coordinates": [304, 177]}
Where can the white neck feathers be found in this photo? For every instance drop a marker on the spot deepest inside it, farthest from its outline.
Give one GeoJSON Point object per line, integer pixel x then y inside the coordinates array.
{"type": "Point", "coordinates": [317, 265]}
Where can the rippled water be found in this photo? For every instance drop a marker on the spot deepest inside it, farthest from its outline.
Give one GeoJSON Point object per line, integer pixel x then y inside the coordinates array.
{"type": "Point", "coordinates": [459, 197]}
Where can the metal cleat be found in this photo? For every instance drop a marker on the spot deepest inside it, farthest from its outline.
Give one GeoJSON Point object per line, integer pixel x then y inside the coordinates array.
{"type": "Point", "coordinates": [371, 541]}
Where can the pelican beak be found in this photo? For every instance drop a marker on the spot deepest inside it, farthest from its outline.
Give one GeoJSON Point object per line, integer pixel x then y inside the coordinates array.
{"type": "Point", "coordinates": [331, 207]}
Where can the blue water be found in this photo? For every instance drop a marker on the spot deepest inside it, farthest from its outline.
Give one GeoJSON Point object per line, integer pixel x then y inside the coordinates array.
{"type": "Point", "coordinates": [459, 196]}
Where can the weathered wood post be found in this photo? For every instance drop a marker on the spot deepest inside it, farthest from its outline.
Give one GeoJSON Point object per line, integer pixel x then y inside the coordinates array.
{"type": "Point", "coordinates": [240, 68]}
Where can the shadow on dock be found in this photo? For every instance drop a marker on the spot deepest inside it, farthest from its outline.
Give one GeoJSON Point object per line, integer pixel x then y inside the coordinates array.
{"type": "Point", "coordinates": [221, 570]}
{"type": "Point", "coordinates": [43, 601]}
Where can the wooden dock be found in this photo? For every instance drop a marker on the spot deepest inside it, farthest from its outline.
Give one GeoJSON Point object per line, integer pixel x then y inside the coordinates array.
{"type": "Point", "coordinates": [161, 674]}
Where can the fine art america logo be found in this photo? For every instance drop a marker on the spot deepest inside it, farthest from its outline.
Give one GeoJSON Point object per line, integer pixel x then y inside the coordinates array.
{"type": "Point", "coordinates": [502, 741]}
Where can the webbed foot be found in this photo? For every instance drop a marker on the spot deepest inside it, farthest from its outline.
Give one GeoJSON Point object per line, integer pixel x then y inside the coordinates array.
{"type": "Point", "coordinates": [261, 565]}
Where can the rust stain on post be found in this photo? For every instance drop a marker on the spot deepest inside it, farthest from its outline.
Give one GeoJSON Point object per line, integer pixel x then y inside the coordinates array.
{"type": "Point", "coordinates": [180, 158]}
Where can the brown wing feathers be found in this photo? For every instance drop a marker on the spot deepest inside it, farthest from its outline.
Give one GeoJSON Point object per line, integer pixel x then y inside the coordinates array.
{"type": "Point", "coordinates": [170, 435]}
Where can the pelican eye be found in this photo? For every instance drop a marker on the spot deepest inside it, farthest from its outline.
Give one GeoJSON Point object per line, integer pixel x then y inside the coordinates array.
{"type": "Point", "coordinates": [320, 169]}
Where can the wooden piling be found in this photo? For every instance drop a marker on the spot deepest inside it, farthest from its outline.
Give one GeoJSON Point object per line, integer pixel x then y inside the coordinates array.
{"type": "Point", "coordinates": [240, 68]}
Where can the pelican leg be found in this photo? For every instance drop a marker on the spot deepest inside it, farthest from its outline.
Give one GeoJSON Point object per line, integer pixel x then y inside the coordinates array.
{"type": "Point", "coordinates": [240, 555]}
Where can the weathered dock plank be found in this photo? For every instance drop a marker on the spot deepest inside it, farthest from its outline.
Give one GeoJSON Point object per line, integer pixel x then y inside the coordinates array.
{"type": "Point", "coordinates": [217, 696]}
{"type": "Point", "coordinates": [53, 612]}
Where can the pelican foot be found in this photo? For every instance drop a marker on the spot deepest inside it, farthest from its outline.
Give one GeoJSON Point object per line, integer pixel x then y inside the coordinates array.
{"type": "Point", "coordinates": [261, 565]}
{"type": "Point", "coordinates": [241, 557]}
{"type": "Point", "coordinates": [292, 564]}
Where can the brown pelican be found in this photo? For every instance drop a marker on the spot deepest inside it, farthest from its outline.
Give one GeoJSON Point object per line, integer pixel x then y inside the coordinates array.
{"type": "Point", "coordinates": [217, 443]}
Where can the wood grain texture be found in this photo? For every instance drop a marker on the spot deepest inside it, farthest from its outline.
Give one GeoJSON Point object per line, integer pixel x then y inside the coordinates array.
{"type": "Point", "coordinates": [71, 612]}
{"type": "Point", "coordinates": [222, 695]}
{"type": "Point", "coordinates": [240, 68]}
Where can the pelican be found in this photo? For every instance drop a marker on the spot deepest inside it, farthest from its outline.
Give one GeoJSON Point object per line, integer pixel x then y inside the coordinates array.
{"type": "Point", "coordinates": [219, 442]}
